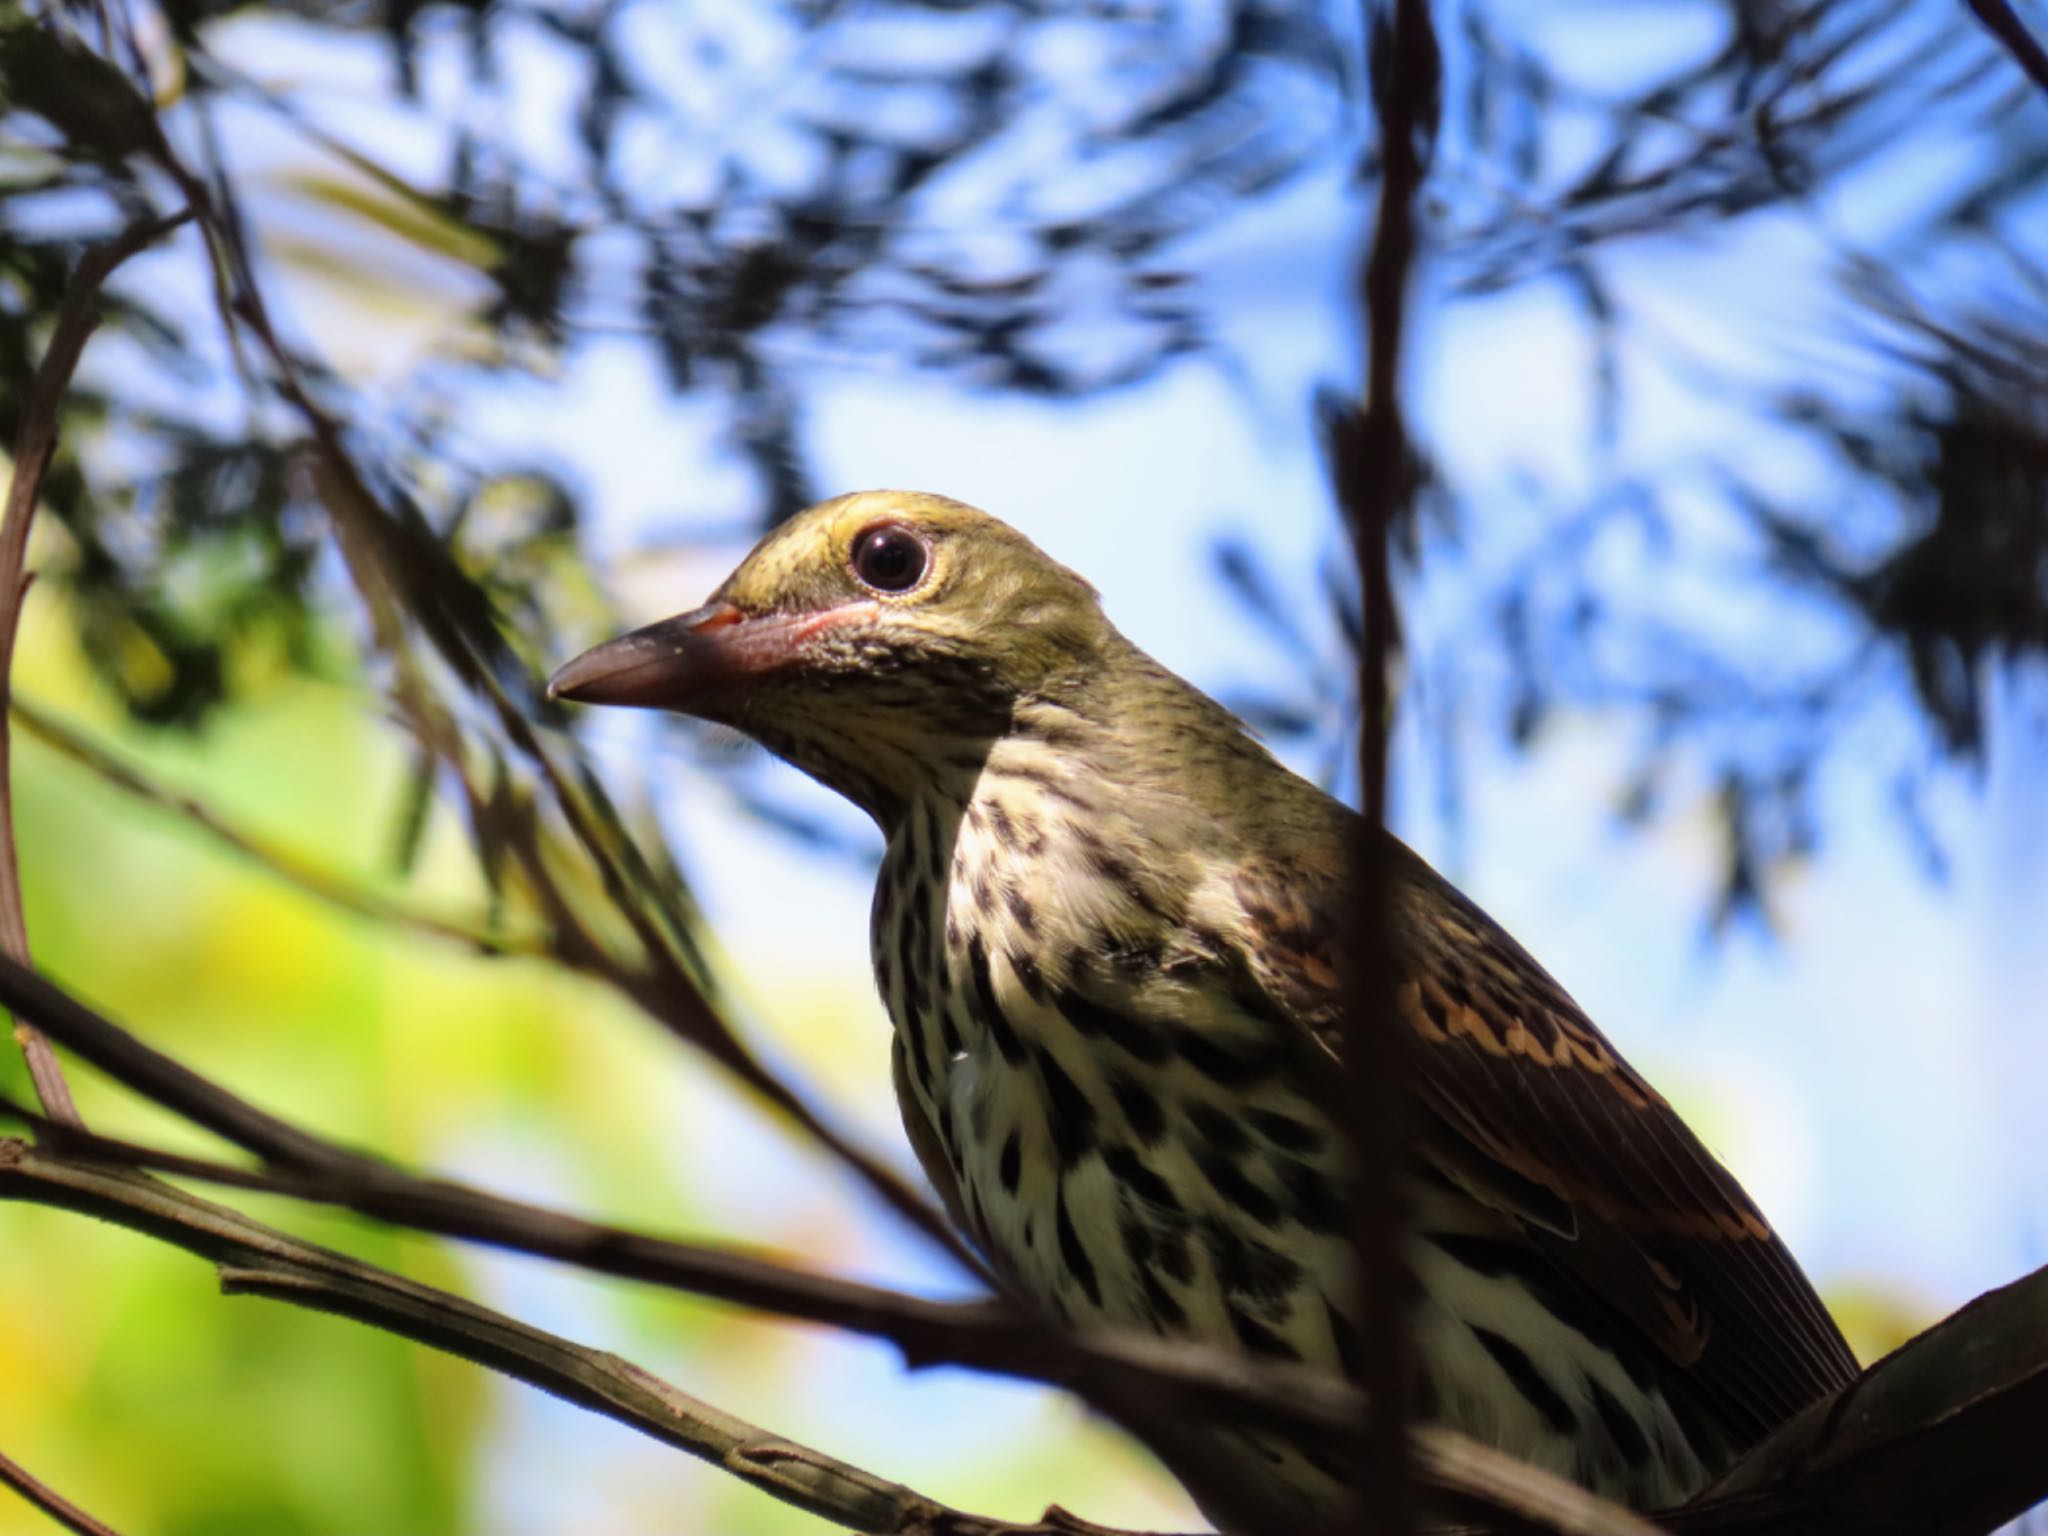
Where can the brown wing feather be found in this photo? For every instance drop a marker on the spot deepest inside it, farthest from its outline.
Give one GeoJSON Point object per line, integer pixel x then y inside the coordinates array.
{"type": "Point", "coordinates": [1527, 1105]}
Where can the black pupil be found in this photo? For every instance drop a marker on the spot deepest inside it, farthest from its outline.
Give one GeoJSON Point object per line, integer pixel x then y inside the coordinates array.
{"type": "Point", "coordinates": [888, 559]}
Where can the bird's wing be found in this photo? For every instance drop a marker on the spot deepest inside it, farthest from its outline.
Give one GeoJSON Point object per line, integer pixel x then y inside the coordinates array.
{"type": "Point", "coordinates": [1524, 1104]}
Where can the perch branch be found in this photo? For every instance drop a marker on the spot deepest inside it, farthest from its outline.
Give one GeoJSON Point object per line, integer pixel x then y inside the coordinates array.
{"type": "Point", "coordinates": [1942, 1437]}
{"type": "Point", "coordinates": [261, 1260]}
{"type": "Point", "coordinates": [1938, 1439]}
{"type": "Point", "coordinates": [985, 1336]}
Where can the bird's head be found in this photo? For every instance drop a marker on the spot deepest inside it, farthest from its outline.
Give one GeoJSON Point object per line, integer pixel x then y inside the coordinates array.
{"type": "Point", "coordinates": [876, 641]}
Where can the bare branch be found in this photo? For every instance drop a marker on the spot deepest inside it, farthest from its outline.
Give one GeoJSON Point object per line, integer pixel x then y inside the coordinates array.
{"type": "Point", "coordinates": [988, 1336]}
{"type": "Point", "coordinates": [1371, 471]}
{"type": "Point", "coordinates": [260, 1260]}
{"type": "Point", "coordinates": [52, 1503]}
{"type": "Point", "coordinates": [35, 445]}
{"type": "Point", "coordinates": [1886, 1456]}
{"type": "Point", "coordinates": [2003, 23]}
{"type": "Point", "coordinates": [281, 862]}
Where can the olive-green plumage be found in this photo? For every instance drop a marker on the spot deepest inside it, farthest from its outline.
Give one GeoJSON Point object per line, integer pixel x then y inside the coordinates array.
{"type": "Point", "coordinates": [1107, 931]}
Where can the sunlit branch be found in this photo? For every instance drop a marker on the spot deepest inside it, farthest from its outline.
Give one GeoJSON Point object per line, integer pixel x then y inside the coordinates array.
{"type": "Point", "coordinates": [1938, 1439]}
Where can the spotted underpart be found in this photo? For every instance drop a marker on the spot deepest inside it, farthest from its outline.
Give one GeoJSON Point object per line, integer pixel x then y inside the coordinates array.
{"type": "Point", "coordinates": [1119, 1115]}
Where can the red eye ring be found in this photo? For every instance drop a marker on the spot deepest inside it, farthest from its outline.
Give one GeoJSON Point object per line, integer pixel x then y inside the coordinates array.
{"type": "Point", "coordinates": [889, 558]}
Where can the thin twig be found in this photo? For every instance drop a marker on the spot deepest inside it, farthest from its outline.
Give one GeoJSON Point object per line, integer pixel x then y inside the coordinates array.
{"type": "Point", "coordinates": [2003, 23]}
{"type": "Point", "coordinates": [283, 863]}
{"type": "Point", "coordinates": [1371, 460]}
{"type": "Point", "coordinates": [52, 1503]}
{"type": "Point", "coordinates": [35, 445]}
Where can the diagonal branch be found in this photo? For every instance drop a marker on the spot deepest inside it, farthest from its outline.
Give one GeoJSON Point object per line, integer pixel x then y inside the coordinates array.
{"type": "Point", "coordinates": [47, 1499]}
{"type": "Point", "coordinates": [1371, 458]}
{"type": "Point", "coordinates": [262, 1260]}
{"type": "Point", "coordinates": [2004, 24]}
{"type": "Point", "coordinates": [35, 445]}
{"type": "Point", "coordinates": [1942, 1437]}
{"type": "Point", "coordinates": [986, 1336]}
{"type": "Point", "coordinates": [170, 1083]}
{"type": "Point", "coordinates": [1938, 1439]}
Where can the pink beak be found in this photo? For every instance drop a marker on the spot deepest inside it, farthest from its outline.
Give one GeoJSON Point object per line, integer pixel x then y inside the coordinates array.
{"type": "Point", "coordinates": [676, 663]}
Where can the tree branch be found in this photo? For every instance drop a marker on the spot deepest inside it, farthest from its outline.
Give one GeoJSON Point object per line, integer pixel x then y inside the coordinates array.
{"type": "Point", "coordinates": [52, 1503]}
{"type": "Point", "coordinates": [988, 1336]}
{"type": "Point", "coordinates": [1938, 1439]}
{"type": "Point", "coordinates": [1371, 456]}
{"type": "Point", "coordinates": [166, 1082]}
{"type": "Point", "coordinates": [261, 1260]}
{"type": "Point", "coordinates": [35, 445]}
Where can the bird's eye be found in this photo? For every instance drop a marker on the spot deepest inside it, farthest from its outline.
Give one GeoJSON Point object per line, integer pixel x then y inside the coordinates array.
{"type": "Point", "coordinates": [890, 558]}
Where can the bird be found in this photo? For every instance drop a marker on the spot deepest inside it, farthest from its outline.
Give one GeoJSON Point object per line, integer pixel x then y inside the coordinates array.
{"type": "Point", "coordinates": [1108, 930]}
